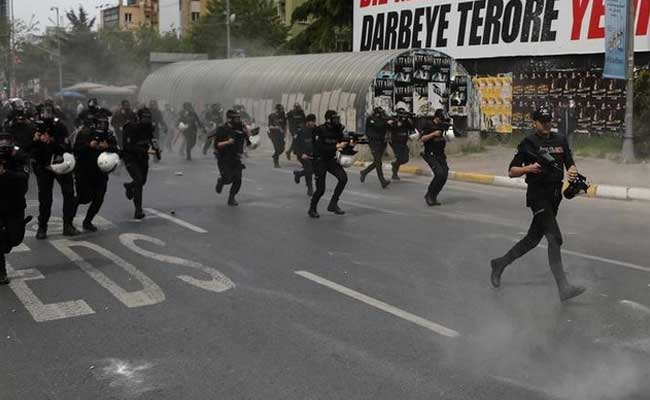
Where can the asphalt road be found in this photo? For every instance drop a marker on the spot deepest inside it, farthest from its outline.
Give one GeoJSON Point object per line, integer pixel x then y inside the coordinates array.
{"type": "Point", "coordinates": [391, 301]}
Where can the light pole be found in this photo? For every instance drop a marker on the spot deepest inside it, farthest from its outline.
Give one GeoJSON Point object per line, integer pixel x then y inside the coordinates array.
{"type": "Point", "coordinates": [227, 28]}
{"type": "Point", "coordinates": [628, 136]}
{"type": "Point", "coordinates": [12, 80]}
{"type": "Point", "coordinates": [58, 40]}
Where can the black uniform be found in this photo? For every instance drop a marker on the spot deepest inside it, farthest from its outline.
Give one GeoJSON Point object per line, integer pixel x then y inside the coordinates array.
{"type": "Point", "coordinates": [189, 118]}
{"type": "Point", "coordinates": [91, 182]}
{"type": "Point", "coordinates": [14, 174]}
{"type": "Point", "coordinates": [121, 118]}
{"type": "Point", "coordinates": [136, 143]}
{"type": "Point", "coordinates": [43, 154]}
{"type": "Point", "coordinates": [303, 144]}
{"type": "Point", "coordinates": [296, 119]}
{"type": "Point", "coordinates": [89, 116]}
{"type": "Point", "coordinates": [23, 133]}
{"type": "Point", "coordinates": [376, 128]}
{"type": "Point", "coordinates": [399, 138]}
{"type": "Point", "coordinates": [325, 138]}
{"type": "Point", "coordinates": [277, 131]}
{"type": "Point", "coordinates": [543, 196]}
{"type": "Point", "coordinates": [229, 158]}
{"type": "Point", "coordinates": [434, 155]}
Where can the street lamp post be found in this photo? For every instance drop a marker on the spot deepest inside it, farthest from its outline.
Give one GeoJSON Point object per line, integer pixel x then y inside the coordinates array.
{"type": "Point", "coordinates": [628, 136]}
{"type": "Point", "coordinates": [58, 39]}
{"type": "Point", "coordinates": [227, 28]}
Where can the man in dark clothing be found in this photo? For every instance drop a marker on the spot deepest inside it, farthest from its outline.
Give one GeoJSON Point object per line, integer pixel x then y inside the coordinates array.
{"type": "Point", "coordinates": [21, 128]}
{"type": "Point", "coordinates": [14, 174]}
{"type": "Point", "coordinates": [328, 139]}
{"type": "Point", "coordinates": [124, 115]}
{"type": "Point", "coordinates": [228, 148]}
{"type": "Point", "coordinates": [377, 125]}
{"type": "Point", "coordinates": [303, 144]}
{"type": "Point", "coordinates": [191, 121]}
{"type": "Point", "coordinates": [434, 155]}
{"type": "Point", "coordinates": [138, 138]}
{"type": "Point", "coordinates": [50, 142]}
{"type": "Point", "coordinates": [542, 157]}
{"type": "Point", "coordinates": [296, 119]}
{"type": "Point", "coordinates": [91, 182]}
{"type": "Point", "coordinates": [89, 115]}
{"type": "Point", "coordinates": [399, 137]}
{"type": "Point", "coordinates": [277, 131]}
{"type": "Point", "coordinates": [214, 119]}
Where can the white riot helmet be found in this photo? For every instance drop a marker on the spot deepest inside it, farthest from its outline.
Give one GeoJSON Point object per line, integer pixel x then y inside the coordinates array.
{"type": "Point", "coordinates": [255, 141]}
{"type": "Point", "coordinates": [182, 126]}
{"type": "Point", "coordinates": [108, 162]}
{"type": "Point", "coordinates": [449, 134]}
{"type": "Point", "coordinates": [415, 136]}
{"type": "Point", "coordinates": [345, 160]}
{"type": "Point", "coordinates": [62, 165]}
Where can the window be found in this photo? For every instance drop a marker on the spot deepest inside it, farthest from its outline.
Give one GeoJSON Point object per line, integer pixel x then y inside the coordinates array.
{"type": "Point", "coordinates": [195, 16]}
{"type": "Point", "coordinates": [128, 17]}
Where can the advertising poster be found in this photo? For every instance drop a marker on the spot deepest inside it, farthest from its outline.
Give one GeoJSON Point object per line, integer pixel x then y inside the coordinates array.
{"type": "Point", "coordinates": [616, 34]}
{"type": "Point", "coordinates": [496, 102]}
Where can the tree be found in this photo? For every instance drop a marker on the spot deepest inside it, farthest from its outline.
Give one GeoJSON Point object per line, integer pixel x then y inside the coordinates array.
{"type": "Point", "coordinates": [85, 58]}
{"type": "Point", "coordinates": [642, 112]}
{"type": "Point", "coordinates": [329, 26]}
{"type": "Point", "coordinates": [257, 28]}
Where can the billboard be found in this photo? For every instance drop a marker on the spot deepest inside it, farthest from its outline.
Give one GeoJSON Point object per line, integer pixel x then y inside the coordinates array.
{"type": "Point", "coordinates": [490, 28]}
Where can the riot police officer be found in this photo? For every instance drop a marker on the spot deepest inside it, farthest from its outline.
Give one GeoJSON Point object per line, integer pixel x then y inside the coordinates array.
{"type": "Point", "coordinates": [50, 142]}
{"type": "Point", "coordinates": [377, 125]}
{"type": "Point", "coordinates": [20, 126]}
{"type": "Point", "coordinates": [138, 139]}
{"type": "Point", "coordinates": [434, 154]}
{"type": "Point", "coordinates": [14, 174]}
{"type": "Point", "coordinates": [303, 144]}
{"type": "Point", "coordinates": [214, 119]}
{"type": "Point", "coordinates": [91, 181]}
{"type": "Point", "coordinates": [191, 121]}
{"type": "Point", "coordinates": [542, 157]}
{"type": "Point", "coordinates": [122, 116]}
{"type": "Point", "coordinates": [328, 139]}
{"type": "Point", "coordinates": [399, 137]}
{"type": "Point", "coordinates": [229, 144]}
{"type": "Point", "coordinates": [296, 120]}
{"type": "Point", "coordinates": [277, 131]}
{"type": "Point", "coordinates": [90, 114]}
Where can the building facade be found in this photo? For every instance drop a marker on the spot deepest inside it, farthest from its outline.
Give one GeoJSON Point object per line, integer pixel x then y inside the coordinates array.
{"type": "Point", "coordinates": [130, 14]}
{"type": "Point", "coordinates": [190, 12]}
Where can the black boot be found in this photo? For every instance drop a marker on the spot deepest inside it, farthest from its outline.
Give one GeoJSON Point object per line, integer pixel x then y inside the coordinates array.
{"type": "Point", "coordinates": [89, 226]}
{"type": "Point", "coordinates": [41, 233]}
{"type": "Point", "coordinates": [4, 280]}
{"type": "Point", "coordinates": [570, 291]}
{"type": "Point", "coordinates": [139, 214]}
{"type": "Point", "coordinates": [430, 200]}
{"type": "Point", "coordinates": [232, 201]}
{"type": "Point", "coordinates": [395, 168]}
{"type": "Point", "coordinates": [362, 176]}
{"type": "Point", "coordinates": [565, 289]}
{"type": "Point", "coordinates": [276, 162]}
{"type": "Point", "coordinates": [498, 265]}
{"type": "Point", "coordinates": [219, 186]}
{"type": "Point", "coordinates": [313, 213]}
{"type": "Point", "coordinates": [69, 229]}
{"type": "Point", "coordinates": [296, 176]}
{"type": "Point", "coordinates": [384, 184]}
{"type": "Point", "coordinates": [334, 208]}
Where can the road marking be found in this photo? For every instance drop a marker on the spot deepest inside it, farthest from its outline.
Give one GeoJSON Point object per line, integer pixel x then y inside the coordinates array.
{"type": "Point", "coordinates": [382, 210]}
{"type": "Point", "coordinates": [43, 312]}
{"type": "Point", "coordinates": [177, 221]}
{"type": "Point", "coordinates": [150, 293]}
{"type": "Point", "coordinates": [596, 258]}
{"type": "Point", "coordinates": [432, 326]}
{"type": "Point", "coordinates": [218, 283]}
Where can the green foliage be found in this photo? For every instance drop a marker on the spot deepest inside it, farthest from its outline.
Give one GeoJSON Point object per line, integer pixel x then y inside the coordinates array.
{"type": "Point", "coordinates": [257, 29]}
{"type": "Point", "coordinates": [642, 113]}
{"type": "Point", "coordinates": [328, 28]}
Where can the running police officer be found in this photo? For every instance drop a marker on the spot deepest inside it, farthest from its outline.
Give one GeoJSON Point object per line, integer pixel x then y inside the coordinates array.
{"type": "Point", "coordinates": [399, 137]}
{"type": "Point", "coordinates": [121, 117]}
{"type": "Point", "coordinates": [214, 119]}
{"type": "Point", "coordinates": [328, 139]}
{"type": "Point", "coordinates": [91, 181]}
{"type": "Point", "coordinates": [14, 174]}
{"type": "Point", "coordinates": [229, 144]}
{"type": "Point", "coordinates": [51, 150]}
{"type": "Point", "coordinates": [138, 139]}
{"type": "Point", "coordinates": [296, 119]}
{"type": "Point", "coordinates": [20, 126]}
{"type": "Point", "coordinates": [277, 131]}
{"type": "Point", "coordinates": [542, 157]}
{"type": "Point", "coordinates": [303, 144]}
{"type": "Point", "coordinates": [191, 121]}
{"type": "Point", "coordinates": [377, 125]}
{"type": "Point", "coordinates": [433, 136]}
{"type": "Point", "coordinates": [88, 115]}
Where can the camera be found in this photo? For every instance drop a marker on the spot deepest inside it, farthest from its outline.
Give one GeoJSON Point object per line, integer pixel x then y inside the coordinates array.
{"type": "Point", "coordinates": [575, 187]}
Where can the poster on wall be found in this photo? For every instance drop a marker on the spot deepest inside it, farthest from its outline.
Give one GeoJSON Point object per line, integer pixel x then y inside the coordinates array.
{"type": "Point", "coordinates": [496, 102]}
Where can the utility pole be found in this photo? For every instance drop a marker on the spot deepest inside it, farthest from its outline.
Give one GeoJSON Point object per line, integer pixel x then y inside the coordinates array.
{"type": "Point", "coordinates": [12, 54]}
{"type": "Point", "coordinates": [628, 137]}
{"type": "Point", "coordinates": [227, 28]}
{"type": "Point", "coordinates": [58, 40]}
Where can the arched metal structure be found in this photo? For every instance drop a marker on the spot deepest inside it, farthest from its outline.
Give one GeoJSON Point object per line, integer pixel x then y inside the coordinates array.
{"type": "Point", "coordinates": [338, 81]}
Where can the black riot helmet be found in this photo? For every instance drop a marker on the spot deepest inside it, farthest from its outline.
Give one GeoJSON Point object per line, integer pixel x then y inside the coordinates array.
{"type": "Point", "coordinates": [126, 105]}
{"type": "Point", "coordinates": [93, 103]}
{"type": "Point", "coordinates": [7, 146]}
{"type": "Point", "coordinates": [233, 117]}
{"type": "Point", "coordinates": [378, 111]}
{"type": "Point", "coordinates": [332, 118]}
{"type": "Point", "coordinates": [297, 107]}
{"type": "Point", "coordinates": [144, 115]}
{"type": "Point", "coordinates": [101, 124]}
{"type": "Point", "coordinates": [279, 108]}
{"type": "Point", "coordinates": [187, 106]}
{"type": "Point", "coordinates": [46, 112]}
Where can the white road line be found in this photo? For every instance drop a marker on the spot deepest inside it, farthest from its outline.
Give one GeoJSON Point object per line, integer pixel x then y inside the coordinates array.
{"type": "Point", "coordinates": [383, 210]}
{"type": "Point", "coordinates": [601, 259]}
{"type": "Point", "coordinates": [432, 326]}
{"type": "Point", "coordinates": [177, 221]}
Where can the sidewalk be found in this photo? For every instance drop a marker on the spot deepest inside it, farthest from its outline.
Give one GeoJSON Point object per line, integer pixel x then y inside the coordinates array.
{"type": "Point", "coordinates": [609, 179]}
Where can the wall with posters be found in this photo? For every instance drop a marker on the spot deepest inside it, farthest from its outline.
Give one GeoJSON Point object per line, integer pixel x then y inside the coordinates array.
{"type": "Point", "coordinates": [495, 28]}
{"type": "Point", "coordinates": [496, 102]}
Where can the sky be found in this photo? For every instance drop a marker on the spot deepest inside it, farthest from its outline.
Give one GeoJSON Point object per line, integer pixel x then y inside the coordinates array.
{"type": "Point", "coordinates": [40, 9]}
